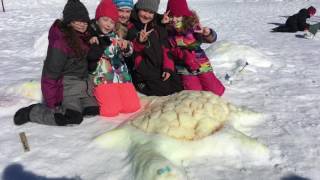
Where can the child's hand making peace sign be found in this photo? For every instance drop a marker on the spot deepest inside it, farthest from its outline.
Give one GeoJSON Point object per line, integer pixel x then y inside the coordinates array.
{"type": "Point", "coordinates": [144, 34]}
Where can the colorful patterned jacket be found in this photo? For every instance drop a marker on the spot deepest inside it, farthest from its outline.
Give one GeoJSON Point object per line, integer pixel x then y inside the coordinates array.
{"type": "Point", "coordinates": [186, 47]}
{"type": "Point", "coordinates": [111, 67]}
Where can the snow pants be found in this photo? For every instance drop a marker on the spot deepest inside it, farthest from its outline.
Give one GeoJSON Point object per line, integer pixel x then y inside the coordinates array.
{"type": "Point", "coordinates": [117, 98]}
{"type": "Point", "coordinates": [77, 101]}
{"type": "Point", "coordinates": [203, 82]}
{"type": "Point", "coordinates": [159, 87]}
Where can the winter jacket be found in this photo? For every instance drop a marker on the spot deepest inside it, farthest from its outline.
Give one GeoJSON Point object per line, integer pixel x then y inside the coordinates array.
{"type": "Point", "coordinates": [111, 67]}
{"type": "Point", "coordinates": [149, 62]}
{"type": "Point", "coordinates": [186, 49]}
{"type": "Point", "coordinates": [297, 22]}
{"type": "Point", "coordinates": [60, 63]}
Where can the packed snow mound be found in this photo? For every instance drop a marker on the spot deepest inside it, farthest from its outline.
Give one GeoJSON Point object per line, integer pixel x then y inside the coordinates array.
{"type": "Point", "coordinates": [226, 54]}
{"type": "Point", "coordinates": [29, 89]}
{"type": "Point", "coordinates": [158, 141]}
{"type": "Point", "coordinates": [187, 116]}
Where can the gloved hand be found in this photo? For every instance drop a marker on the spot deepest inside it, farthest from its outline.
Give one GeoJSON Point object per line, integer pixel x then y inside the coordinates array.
{"type": "Point", "coordinates": [104, 41]}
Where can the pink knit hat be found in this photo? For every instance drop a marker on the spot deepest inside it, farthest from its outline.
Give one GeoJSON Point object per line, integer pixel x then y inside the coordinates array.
{"type": "Point", "coordinates": [179, 8]}
{"type": "Point", "coordinates": [108, 9]}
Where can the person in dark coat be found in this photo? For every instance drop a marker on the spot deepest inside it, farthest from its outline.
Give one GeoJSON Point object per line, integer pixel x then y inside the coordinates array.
{"type": "Point", "coordinates": [152, 74]}
{"type": "Point", "coordinates": [297, 22]}
{"type": "Point", "coordinates": [65, 87]}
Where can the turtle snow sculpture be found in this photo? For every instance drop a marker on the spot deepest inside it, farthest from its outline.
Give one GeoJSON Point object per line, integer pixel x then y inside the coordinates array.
{"type": "Point", "coordinates": [174, 129]}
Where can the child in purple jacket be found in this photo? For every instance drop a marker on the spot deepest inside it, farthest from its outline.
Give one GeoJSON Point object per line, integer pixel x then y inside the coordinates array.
{"type": "Point", "coordinates": [65, 87]}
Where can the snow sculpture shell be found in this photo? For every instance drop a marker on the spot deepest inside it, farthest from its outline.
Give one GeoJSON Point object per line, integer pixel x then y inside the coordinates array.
{"type": "Point", "coordinates": [189, 115]}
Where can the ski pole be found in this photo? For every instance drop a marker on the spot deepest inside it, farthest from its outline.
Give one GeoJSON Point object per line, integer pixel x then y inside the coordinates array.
{"type": "Point", "coordinates": [243, 67]}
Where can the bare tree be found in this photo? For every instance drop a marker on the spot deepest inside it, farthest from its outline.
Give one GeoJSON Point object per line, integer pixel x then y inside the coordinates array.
{"type": "Point", "coordinates": [3, 6]}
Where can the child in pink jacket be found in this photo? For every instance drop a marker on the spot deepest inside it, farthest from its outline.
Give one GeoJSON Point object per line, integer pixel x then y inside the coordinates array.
{"type": "Point", "coordinates": [185, 37]}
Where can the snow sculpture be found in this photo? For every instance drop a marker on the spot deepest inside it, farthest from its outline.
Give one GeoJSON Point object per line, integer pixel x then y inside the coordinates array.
{"type": "Point", "coordinates": [178, 128]}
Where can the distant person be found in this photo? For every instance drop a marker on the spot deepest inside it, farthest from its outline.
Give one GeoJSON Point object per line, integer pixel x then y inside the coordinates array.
{"type": "Point", "coordinates": [297, 22]}
{"type": "Point", "coordinates": [64, 82]}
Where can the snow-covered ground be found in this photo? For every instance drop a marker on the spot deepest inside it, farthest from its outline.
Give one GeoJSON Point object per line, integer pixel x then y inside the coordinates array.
{"type": "Point", "coordinates": [282, 81]}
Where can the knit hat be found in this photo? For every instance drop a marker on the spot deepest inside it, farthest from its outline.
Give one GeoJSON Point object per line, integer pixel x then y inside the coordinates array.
{"type": "Point", "coordinates": [75, 10]}
{"type": "Point", "coordinates": [178, 8]}
{"type": "Point", "coordinates": [312, 10]}
{"type": "Point", "coordinates": [121, 4]}
{"type": "Point", "coordinates": [151, 5]}
{"type": "Point", "coordinates": [108, 9]}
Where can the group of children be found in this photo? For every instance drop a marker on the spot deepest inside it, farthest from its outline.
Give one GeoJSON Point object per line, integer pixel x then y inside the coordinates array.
{"type": "Point", "coordinates": [95, 67]}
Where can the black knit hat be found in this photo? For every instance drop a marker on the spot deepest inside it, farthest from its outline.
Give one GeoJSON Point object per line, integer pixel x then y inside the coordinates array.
{"type": "Point", "coordinates": [151, 5]}
{"type": "Point", "coordinates": [75, 10]}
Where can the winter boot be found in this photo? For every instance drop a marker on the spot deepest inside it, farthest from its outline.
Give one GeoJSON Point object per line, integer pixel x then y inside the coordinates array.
{"type": "Point", "coordinates": [70, 117]}
{"type": "Point", "coordinates": [22, 115]}
{"type": "Point", "coordinates": [91, 111]}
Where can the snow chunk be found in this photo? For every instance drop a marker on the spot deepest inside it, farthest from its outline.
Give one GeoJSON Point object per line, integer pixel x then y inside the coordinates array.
{"type": "Point", "coordinates": [226, 54]}
{"type": "Point", "coordinates": [41, 45]}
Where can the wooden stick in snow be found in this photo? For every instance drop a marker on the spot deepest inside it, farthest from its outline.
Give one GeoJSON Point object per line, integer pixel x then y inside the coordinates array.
{"type": "Point", "coordinates": [24, 141]}
{"type": "Point", "coordinates": [3, 6]}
